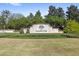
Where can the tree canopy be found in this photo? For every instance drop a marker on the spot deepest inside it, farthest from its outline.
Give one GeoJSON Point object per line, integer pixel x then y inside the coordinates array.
{"type": "Point", "coordinates": [73, 13]}
{"type": "Point", "coordinates": [56, 17]}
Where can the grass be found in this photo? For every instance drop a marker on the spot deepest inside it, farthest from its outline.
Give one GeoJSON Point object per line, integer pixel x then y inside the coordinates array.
{"type": "Point", "coordinates": [37, 36]}
{"type": "Point", "coordinates": [39, 47]}
{"type": "Point", "coordinates": [31, 36]}
{"type": "Point", "coordinates": [38, 44]}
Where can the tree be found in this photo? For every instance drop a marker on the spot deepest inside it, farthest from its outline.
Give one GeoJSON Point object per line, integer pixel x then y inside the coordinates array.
{"type": "Point", "coordinates": [55, 21]}
{"type": "Point", "coordinates": [52, 11]}
{"type": "Point", "coordinates": [30, 17]}
{"type": "Point", "coordinates": [38, 18]}
{"type": "Point", "coordinates": [60, 12]}
{"type": "Point", "coordinates": [4, 17]}
{"type": "Point", "coordinates": [0, 22]}
{"type": "Point", "coordinates": [24, 22]}
{"type": "Point", "coordinates": [38, 14]}
{"type": "Point", "coordinates": [18, 23]}
{"type": "Point", "coordinates": [72, 13]}
{"type": "Point", "coordinates": [55, 17]}
{"type": "Point", "coordinates": [72, 27]}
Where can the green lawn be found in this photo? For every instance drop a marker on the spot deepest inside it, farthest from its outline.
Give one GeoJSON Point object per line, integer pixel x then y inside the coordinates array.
{"type": "Point", "coordinates": [39, 47]}
{"type": "Point", "coordinates": [31, 36]}
{"type": "Point", "coordinates": [37, 36]}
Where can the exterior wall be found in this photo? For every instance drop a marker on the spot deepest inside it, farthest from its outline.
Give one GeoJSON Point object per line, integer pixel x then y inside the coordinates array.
{"type": "Point", "coordinates": [7, 31]}
{"type": "Point", "coordinates": [36, 29]}
{"type": "Point", "coordinates": [43, 28]}
{"type": "Point", "coordinates": [53, 30]}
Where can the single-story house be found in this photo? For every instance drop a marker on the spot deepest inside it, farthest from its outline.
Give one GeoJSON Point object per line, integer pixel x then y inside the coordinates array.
{"type": "Point", "coordinates": [42, 28]}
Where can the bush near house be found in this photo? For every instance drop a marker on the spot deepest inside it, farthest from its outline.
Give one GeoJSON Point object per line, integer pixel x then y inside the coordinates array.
{"type": "Point", "coordinates": [72, 27]}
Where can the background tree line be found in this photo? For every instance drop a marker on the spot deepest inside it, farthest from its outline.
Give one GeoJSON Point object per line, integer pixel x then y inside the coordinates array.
{"type": "Point", "coordinates": [56, 17]}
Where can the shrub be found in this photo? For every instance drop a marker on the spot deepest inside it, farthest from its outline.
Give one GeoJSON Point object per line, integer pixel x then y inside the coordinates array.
{"type": "Point", "coordinates": [21, 31]}
{"type": "Point", "coordinates": [72, 27]}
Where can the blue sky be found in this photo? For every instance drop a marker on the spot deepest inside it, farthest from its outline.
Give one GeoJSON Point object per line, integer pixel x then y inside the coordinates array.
{"type": "Point", "coordinates": [26, 8]}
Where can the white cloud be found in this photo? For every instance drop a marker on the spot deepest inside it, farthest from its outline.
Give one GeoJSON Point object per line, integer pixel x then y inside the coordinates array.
{"type": "Point", "coordinates": [15, 4]}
